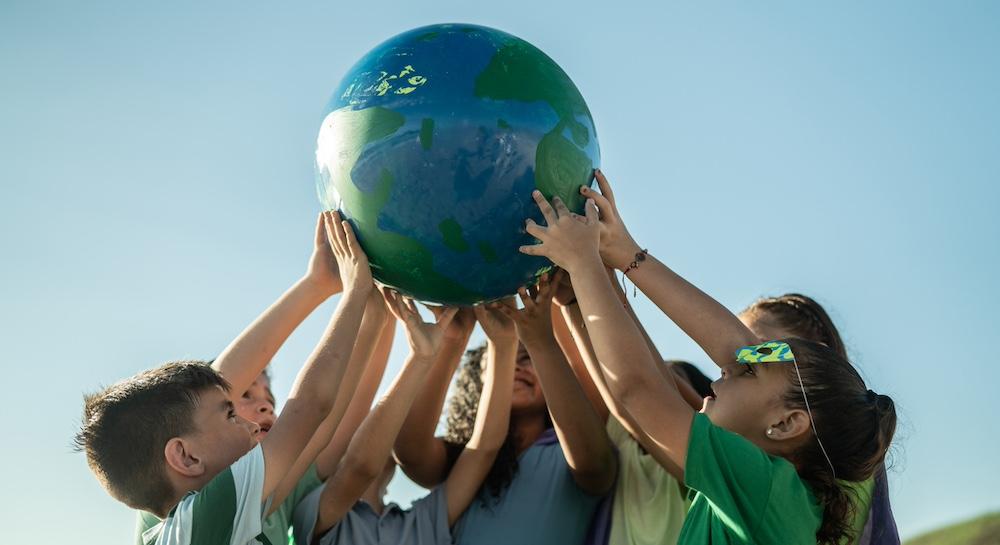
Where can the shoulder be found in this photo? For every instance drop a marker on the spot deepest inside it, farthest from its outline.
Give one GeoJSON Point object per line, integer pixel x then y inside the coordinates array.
{"type": "Point", "coordinates": [226, 510]}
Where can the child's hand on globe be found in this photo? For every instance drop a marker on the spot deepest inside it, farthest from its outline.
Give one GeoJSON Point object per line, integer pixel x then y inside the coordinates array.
{"type": "Point", "coordinates": [323, 273]}
{"type": "Point", "coordinates": [618, 248]}
{"type": "Point", "coordinates": [569, 240]}
{"type": "Point", "coordinates": [352, 263]}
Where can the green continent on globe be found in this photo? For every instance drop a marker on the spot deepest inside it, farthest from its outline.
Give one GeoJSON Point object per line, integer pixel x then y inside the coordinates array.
{"type": "Point", "coordinates": [519, 71]}
{"type": "Point", "coordinates": [395, 259]}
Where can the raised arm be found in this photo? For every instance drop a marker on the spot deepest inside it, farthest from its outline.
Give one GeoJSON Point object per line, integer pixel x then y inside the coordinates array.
{"type": "Point", "coordinates": [711, 325]}
{"type": "Point", "coordinates": [575, 321]}
{"type": "Point", "coordinates": [581, 431]}
{"type": "Point", "coordinates": [628, 367]}
{"type": "Point", "coordinates": [249, 354]}
{"type": "Point", "coordinates": [371, 445]}
{"type": "Point", "coordinates": [361, 404]}
{"type": "Point", "coordinates": [571, 347]}
{"type": "Point", "coordinates": [323, 440]}
{"type": "Point", "coordinates": [314, 393]}
{"type": "Point", "coordinates": [422, 455]}
{"type": "Point", "coordinates": [492, 415]}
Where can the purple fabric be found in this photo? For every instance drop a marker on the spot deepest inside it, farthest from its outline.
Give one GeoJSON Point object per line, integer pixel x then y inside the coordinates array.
{"type": "Point", "coordinates": [881, 526]}
{"type": "Point", "coordinates": [599, 532]}
{"type": "Point", "coordinates": [548, 437]}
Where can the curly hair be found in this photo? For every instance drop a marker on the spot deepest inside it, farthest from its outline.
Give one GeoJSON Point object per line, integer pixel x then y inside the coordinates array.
{"type": "Point", "coordinates": [461, 420]}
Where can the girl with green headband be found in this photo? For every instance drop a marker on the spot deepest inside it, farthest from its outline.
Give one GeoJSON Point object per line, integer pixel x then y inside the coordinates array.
{"type": "Point", "coordinates": [789, 418]}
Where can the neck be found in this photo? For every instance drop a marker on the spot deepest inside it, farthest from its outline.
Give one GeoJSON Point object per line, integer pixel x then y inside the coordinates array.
{"type": "Point", "coordinates": [525, 429]}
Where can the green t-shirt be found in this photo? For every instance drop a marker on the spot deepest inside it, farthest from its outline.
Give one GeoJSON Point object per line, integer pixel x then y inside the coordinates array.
{"type": "Point", "coordinates": [649, 507]}
{"type": "Point", "coordinates": [742, 494]}
{"type": "Point", "coordinates": [275, 527]}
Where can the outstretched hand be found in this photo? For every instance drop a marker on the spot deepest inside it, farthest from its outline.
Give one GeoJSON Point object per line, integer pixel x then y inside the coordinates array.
{"type": "Point", "coordinates": [568, 239]}
{"type": "Point", "coordinates": [617, 246]}
{"type": "Point", "coordinates": [461, 325]}
{"type": "Point", "coordinates": [425, 338]}
{"type": "Point", "coordinates": [534, 321]}
{"type": "Point", "coordinates": [323, 272]}
{"type": "Point", "coordinates": [352, 263]}
{"type": "Point", "coordinates": [498, 327]}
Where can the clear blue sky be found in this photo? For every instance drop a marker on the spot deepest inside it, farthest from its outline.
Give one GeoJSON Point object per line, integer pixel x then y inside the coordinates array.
{"type": "Point", "coordinates": [157, 190]}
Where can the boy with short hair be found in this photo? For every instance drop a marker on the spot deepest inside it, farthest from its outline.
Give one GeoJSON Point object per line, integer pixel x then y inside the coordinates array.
{"type": "Point", "coordinates": [169, 440]}
{"type": "Point", "coordinates": [243, 364]}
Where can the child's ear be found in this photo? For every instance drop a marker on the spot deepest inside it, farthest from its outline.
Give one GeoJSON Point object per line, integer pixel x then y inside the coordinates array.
{"type": "Point", "coordinates": [792, 425]}
{"type": "Point", "coordinates": [181, 459]}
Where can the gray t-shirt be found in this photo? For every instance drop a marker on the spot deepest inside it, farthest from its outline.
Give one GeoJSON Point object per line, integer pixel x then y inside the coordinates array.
{"type": "Point", "coordinates": [425, 523]}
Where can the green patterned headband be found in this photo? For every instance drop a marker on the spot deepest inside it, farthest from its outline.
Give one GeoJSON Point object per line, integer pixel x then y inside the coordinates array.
{"type": "Point", "coordinates": [769, 352]}
{"type": "Point", "coordinates": [780, 352]}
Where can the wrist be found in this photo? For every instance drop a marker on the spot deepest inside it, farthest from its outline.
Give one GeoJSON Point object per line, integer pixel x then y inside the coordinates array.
{"type": "Point", "coordinates": [622, 255]}
{"type": "Point", "coordinates": [357, 293]}
{"type": "Point", "coordinates": [316, 291]}
{"type": "Point", "coordinates": [505, 344]}
{"type": "Point", "coordinates": [319, 288]}
{"type": "Point", "coordinates": [584, 261]}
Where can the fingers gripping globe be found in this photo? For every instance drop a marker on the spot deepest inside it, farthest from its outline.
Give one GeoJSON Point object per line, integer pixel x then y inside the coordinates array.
{"type": "Point", "coordinates": [431, 147]}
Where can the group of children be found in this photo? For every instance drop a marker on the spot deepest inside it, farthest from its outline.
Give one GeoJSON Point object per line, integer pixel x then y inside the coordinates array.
{"type": "Point", "coordinates": [567, 427]}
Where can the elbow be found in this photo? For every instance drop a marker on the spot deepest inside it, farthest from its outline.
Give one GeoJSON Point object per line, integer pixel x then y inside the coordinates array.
{"type": "Point", "coordinates": [599, 479]}
{"type": "Point", "coordinates": [362, 467]}
{"type": "Point", "coordinates": [626, 390]}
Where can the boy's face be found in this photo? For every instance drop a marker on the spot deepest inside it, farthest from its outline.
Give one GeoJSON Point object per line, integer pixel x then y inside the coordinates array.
{"type": "Point", "coordinates": [257, 405]}
{"type": "Point", "coordinates": [222, 435]}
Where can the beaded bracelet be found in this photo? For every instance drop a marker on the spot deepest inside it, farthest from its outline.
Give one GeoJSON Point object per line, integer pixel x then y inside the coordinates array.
{"type": "Point", "coordinates": [640, 256]}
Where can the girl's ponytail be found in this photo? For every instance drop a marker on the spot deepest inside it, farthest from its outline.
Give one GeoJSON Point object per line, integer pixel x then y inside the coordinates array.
{"type": "Point", "coordinates": [855, 424]}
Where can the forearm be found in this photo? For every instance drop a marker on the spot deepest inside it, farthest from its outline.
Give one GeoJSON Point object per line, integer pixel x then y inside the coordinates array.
{"type": "Point", "coordinates": [630, 372]}
{"type": "Point", "coordinates": [492, 423]}
{"type": "Point", "coordinates": [493, 414]}
{"type": "Point", "coordinates": [581, 432]}
{"type": "Point", "coordinates": [575, 355]}
{"type": "Point", "coordinates": [377, 356]}
{"type": "Point", "coordinates": [573, 319]}
{"type": "Point", "coordinates": [711, 325]}
{"type": "Point", "coordinates": [249, 354]}
{"type": "Point", "coordinates": [321, 441]}
{"type": "Point", "coordinates": [371, 445]}
{"type": "Point", "coordinates": [420, 454]}
{"type": "Point", "coordinates": [314, 392]}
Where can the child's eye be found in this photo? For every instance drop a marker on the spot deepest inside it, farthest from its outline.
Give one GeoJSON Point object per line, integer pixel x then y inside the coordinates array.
{"type": "Point", "coordinates": [750, 371]}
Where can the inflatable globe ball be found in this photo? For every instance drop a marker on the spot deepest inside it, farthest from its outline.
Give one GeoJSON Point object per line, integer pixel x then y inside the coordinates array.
{"type": "Point", "coordinates": [431, 147]}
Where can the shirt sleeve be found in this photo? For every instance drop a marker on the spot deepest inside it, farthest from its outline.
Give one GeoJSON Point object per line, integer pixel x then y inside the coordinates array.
{"type": "Point", "coordinates": [735, 475]}
{"type": "Point", "coordinates": [429, 516]}
{"type": "Point", "coordinates": [229, 508]}
{"type": "Point", "coordinates": [309, 482]}
{"type": "Point", "coordinates": [305, 515]}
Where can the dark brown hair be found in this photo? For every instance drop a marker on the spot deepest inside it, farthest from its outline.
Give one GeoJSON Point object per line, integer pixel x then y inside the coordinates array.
{"type": "Point", "coordinates": [800, 316]}
{"type": "Point", "coordinates": [461, 420]}
{"type": "Point", "coordinates": [127, 425]}
{"type": "Point", "coordinates": [855, 426]}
